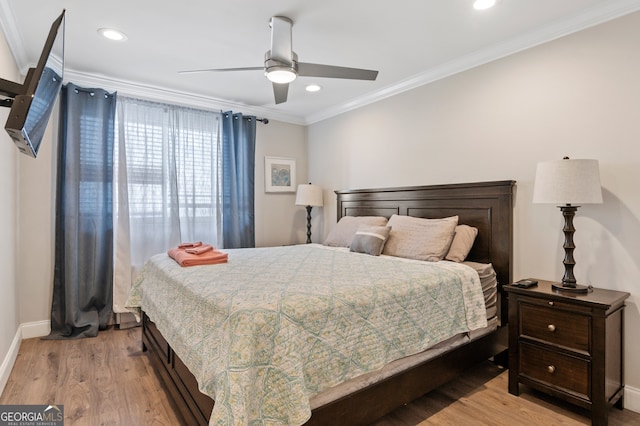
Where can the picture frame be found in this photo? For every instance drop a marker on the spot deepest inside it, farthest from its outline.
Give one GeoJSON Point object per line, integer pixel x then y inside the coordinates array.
{"type": "Point", "coordinates": [279, 174]}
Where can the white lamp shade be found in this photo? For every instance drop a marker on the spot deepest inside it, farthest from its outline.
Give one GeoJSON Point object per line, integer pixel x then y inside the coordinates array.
{"type": "Point", "coordinates": [309, 195]}
{"type": "Point", "coordinates": [568, 181]}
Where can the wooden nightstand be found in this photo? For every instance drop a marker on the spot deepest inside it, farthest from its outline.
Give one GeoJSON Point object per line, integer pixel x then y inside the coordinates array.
{"type": "Point", "coordinates": [569, 346]}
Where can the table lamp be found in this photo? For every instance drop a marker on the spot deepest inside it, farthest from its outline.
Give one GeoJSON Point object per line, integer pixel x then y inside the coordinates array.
{"type": "Point", "coordinates": [309, 196]}
{"type": "Point", "coordinates": [568, 182]}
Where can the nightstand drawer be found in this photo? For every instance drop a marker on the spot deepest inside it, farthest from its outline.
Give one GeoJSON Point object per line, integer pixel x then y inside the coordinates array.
{"type": "Point", "coordinates": [555, 326]}
{"type": "Point", "coordinates": [556, 369]}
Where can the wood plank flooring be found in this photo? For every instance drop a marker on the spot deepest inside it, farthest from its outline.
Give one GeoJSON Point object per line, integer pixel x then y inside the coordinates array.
{"type": "Point", "coordinates": [108, 380]}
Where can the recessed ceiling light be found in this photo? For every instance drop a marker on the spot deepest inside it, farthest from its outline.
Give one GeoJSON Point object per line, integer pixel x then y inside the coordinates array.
{"type": "Point", "coordinates": [483, 4]}
{"type": "Point", "coordinates": [112, 34]}
{"type": "Point", "coordinates": [313, 88]}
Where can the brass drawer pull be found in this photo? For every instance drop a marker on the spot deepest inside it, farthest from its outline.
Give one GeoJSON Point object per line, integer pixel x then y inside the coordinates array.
{"type": "Point", "coordinates": [551, 328]}
{"type": "Point", "coordinates": [551, 369]}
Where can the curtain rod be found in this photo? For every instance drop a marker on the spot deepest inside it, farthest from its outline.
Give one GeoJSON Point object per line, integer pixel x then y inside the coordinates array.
{"type": "Point", "coordinates": [91, 92]}
{"type": "Point", "coordinates": [263, 120]}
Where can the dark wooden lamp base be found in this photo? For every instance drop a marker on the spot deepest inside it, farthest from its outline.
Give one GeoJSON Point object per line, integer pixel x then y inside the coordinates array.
{"type": "Point", "coordinates": [569, 284]}
{"type": "Point", "coordinates": [308, 224]}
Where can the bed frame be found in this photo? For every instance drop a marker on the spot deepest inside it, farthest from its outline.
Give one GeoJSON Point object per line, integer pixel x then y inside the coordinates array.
{"type": "Point", "coordinates": [487, 206]}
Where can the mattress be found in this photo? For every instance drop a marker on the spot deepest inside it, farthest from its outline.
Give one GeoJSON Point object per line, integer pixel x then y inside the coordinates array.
{"type": "Point", "coordinates": [272, 328]}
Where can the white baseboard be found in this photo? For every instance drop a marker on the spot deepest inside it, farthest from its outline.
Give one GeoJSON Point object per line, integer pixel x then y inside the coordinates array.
{"type": "Point", "coordinates": [9, 360]}
{"type": "Point", "coordinates": [632, 398]}
{"type": "Point", "coordinates": [35, 329]}
{"type": "Point", "coordinates": [25, 331]}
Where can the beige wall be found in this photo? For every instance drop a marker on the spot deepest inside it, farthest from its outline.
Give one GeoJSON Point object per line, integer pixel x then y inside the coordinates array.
{"type": "Point", "coordinates": [278, 220]}
{"type": "Point", "coordinates": [36, 209]}
{"type": "Point", "coordinates": [9, 312]}
{"type": "Point", "coordinates": [578, 96]}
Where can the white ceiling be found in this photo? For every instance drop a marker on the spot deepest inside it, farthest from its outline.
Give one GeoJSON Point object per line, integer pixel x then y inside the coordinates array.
{"type": "Point", "coordinates": [411, 42]}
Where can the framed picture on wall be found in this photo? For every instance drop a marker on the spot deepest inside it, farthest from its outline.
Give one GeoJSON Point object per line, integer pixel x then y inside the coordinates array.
{"type": "Point", "coordinates": [279, 174]}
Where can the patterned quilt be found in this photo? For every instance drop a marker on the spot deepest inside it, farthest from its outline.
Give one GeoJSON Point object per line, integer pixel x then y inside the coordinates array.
{"type": "Point", "coordinates": [273, 327]}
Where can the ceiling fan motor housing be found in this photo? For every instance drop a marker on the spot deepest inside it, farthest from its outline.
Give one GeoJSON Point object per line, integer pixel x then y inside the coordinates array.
{"type": "Point", "coordinates": [273, 65]}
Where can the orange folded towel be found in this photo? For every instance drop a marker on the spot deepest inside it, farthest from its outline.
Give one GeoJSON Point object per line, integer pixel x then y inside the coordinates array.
{"type": "Point", "coordinates": [200, 249]}
{"type": "Point", "coordinates": [209, 257]}
{"type": "Point", "coordinates": [190, 245]}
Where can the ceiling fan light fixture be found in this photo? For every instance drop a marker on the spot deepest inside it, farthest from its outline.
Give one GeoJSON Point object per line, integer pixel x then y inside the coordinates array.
{"type": "Point", "coordinates": [281, 75]}
{"type": "Point", "coordinates": [483, 4]}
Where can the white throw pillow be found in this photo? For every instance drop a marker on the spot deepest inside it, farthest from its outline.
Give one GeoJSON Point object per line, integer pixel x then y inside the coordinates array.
{"type": "Point", "coordinates": [463, 240]}
{"type": "Point", "coordinates": [418, 238]}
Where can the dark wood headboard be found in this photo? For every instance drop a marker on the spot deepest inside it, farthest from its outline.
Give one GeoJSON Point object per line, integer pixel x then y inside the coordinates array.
{"type": "Point", "coordinates": [487, 206]}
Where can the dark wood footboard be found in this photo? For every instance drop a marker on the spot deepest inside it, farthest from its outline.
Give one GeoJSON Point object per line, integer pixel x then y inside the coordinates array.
{"type": "Point", "coordinates": [360, 408]}
{"type": "Point", "coordinates": [194, 406]}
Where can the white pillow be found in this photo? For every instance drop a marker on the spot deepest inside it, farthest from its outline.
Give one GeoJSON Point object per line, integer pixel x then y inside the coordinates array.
{"type": "Point", "coordinates": [463, 240]}
{"type": "Point", "coordinates": [342, 234]}
{"type": "Point", "coordinates": [418, 238]}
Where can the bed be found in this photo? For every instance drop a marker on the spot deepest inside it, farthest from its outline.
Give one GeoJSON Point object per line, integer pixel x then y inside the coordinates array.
{"type": "Point", "coordinates": [367, 394]}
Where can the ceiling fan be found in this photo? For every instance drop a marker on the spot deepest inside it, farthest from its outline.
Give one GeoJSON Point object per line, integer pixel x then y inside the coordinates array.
{"type": "Point", "coordinates": [281, 64]}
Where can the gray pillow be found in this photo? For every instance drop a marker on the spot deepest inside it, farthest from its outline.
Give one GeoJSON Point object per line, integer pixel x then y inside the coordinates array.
{"type": "Point", "coordinates": [370, 239]}
{"type": "Point", "coordinates": [342, 234]}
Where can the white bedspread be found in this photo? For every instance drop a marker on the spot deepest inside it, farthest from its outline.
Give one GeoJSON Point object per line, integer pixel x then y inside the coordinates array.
{"type": "Point", "coordinates": [274, 326]}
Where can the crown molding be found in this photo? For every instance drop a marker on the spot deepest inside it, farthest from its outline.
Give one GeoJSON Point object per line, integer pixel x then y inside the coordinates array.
{"type": "Point", "coordinates": [597, 15]}
{"type": "Point", "coordinates": [161, 94]}
{"type": "Point", "coordinates": [12, 35]}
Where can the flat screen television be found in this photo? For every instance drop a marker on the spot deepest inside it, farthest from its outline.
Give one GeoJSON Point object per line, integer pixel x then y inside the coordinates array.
{"type": "Point", "coordinates": [31, 103]}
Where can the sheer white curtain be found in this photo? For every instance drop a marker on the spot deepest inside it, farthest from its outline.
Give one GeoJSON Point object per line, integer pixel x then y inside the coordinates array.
{"type": "Point", "coordinates": [168, 184]}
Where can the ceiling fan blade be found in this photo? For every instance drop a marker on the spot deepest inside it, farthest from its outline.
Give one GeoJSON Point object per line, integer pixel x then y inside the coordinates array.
{"type": "Point", "coordinates": [331, 71]}
{"type": "Point", "coordinates": [280, 92]}
{"type": "Point", "coordinates": [222, 69]}
{"type": "Point", "coordinates": [281, 49]}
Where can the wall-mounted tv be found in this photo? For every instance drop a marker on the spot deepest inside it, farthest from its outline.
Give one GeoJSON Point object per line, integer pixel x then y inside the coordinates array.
{"type": "Point", "coordinates": [31, 103]}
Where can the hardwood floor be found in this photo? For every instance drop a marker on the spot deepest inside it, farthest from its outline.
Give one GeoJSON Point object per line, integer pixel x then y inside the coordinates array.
{"type": "Point", "coordinates": [480, 397]}
{"type": "Point", "coordinates": [108, 380]}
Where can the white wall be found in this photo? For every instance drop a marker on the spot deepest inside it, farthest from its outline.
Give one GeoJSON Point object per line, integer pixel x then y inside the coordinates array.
{"type": "Point", "coordinates": [9, 320]}
{"type": "Point", "coordinates": [577, 96]}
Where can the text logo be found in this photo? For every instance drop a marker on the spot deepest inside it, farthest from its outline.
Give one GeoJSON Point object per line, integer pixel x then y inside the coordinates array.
{"type": "Point", "coordinates": [31, 415]}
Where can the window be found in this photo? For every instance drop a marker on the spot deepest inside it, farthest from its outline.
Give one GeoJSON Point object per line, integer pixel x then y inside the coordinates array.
{"type": "Point", "coordinates": [168, 168]}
